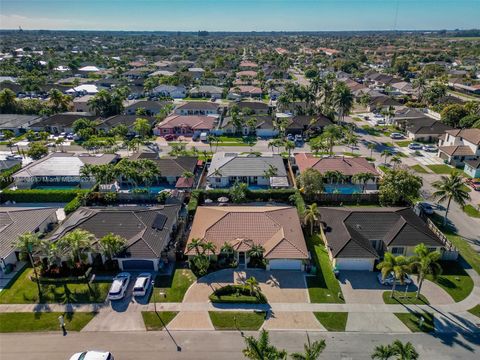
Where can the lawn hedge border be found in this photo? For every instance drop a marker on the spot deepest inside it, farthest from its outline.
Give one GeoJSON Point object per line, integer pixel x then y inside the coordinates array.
{"type": "Point", "coordinates": [36, 195]}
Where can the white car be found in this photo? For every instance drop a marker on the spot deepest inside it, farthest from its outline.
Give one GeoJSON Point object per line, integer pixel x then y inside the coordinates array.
{"type": "Point", "coordinates": [119, 286]}
{"type": "Point", "coordinates": [389, 280]}
{"type": "Point", "coordinates": [430, 148]}
{"type": "Point", "coordinates": [92, 355]}
{"type": "Point", "coordinates": [415, 146]}
{"type": "Point", "coordinates": [396, 136]}
{"type": "Point", "coordinates": [142, 284]}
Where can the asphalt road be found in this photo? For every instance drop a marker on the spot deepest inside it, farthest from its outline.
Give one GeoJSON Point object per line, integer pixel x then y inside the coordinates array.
{"type": "Point", "coordinates": [221, 345]}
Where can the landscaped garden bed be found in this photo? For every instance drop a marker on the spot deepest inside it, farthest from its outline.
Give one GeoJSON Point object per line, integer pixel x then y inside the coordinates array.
{"type": "Point", "coordinates": [237, 320]}
{"type": "Point", "coordinates": [237, 294]}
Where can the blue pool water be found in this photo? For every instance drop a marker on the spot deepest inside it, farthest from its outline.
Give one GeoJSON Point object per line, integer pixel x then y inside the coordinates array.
{"type": "Point", "coordinates": [343, 189]}
{"type": "Point", "coordinates": [153, 189]}
{"type": "Point", "coordinates": [258, 187]}
{"type": "Point", "coordinates": [55, 187]}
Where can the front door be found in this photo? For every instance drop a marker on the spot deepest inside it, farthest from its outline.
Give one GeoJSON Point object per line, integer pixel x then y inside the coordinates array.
{"type": "Point", "coordinates": [241, 258]}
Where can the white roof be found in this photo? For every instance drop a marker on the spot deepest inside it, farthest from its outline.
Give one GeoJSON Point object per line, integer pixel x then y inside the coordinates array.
{"type": "Point", "coordinates": [89, 68]}
{"type": "Point", "coordinates": [62, 68]}
{"type": "Point", "coordinates": [88, 88]}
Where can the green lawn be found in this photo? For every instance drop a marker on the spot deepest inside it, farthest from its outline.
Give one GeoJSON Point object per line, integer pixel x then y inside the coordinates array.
{"type": "Point", "coordinates": [475, 311]}
{"type": "Point", "coordinates": [324, 287]}
{"type": "Point", "coordinates": [454, 280]}
{"type": "Point", "coordinates": [412, 321]}
{"type": "Point", "coordinates": [387, 144]}
{"type": "Point", "coordinates": [174, 287]}
{"type": "Point", "coordinates": [25, 291]}
{"type": "Point", "coordinates": [236, 299]}
{"type": "Point", "coordinates": [44, 321]}
{"type": "Point", "coordinates": [399, 298]}
{"type": "Point", "coordinates": [403, 143]}
{"type": "Point", "coordinates": [384, 168]}
{"type": "Point", "coordinates": [371, 130]}
{"type": "Point", "coordinates": [346, 153]}
{"type": "Point", "coordinates": [332, 321]}
{"type": "Point", "coordinates": [237, 320]}
{"type": "Point", "coordinates": [157, 320]}
{"type": "Point", "coordinates": [471, 211]}
{"type": "Point", "coordinates": [442, 169]}
{"type": "Point", "coordinates": [419, 169]}
{"type": "Point", "coordinates": [355, 118]}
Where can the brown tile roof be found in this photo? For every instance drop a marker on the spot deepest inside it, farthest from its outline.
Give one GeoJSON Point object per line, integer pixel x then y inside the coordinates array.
{"type": "Point", "coordinates": [471, 135]}
{"type": "Point", "coordinates": [191, 121]}
{"type": "Point", "coordinates": [277, 229]}
{"type": "Point", "coordinates": [460, 150]}
{"type": "Point", "coordinates": [347, 166]}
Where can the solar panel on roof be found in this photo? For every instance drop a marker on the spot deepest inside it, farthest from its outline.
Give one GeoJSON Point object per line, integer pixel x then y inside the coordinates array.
{"type": "Point", "coordinates": [159, 222]}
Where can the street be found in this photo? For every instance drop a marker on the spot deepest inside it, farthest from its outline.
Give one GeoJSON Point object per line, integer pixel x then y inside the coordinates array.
{"type": "Point", "coordinates": [223, 345]}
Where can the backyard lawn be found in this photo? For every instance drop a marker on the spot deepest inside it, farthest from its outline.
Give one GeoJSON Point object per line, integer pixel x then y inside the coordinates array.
{"type": "Point", "coordinates": [43, 321]}
{"type": "Point", "coordinates": [157, 320]}
{"type": "Point", "coordinates": [412, 321]}
{"type": "Point", "coordinates": [454, 280]}
{"type": "Point", "coordinates": [324, 287]}
{"type": "Point", "coordinates": [237, 320]}
{"type": "Point", "coordinates": [400, 298]}
{"type": "Point", "coordinates": [332, 321]}
{"type": "Point", "coordinates": [174, 286]}
{"type": "Point", "coordinates": [25, 291]}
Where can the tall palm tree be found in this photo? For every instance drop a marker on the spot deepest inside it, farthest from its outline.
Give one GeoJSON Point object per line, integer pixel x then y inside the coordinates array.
{"type": "Point", "coordinates": [450, 188]}
{"type": "Point", "coordinates": [363, 178]}
{"type": "Point", "coordinates": [58, 101]}
{"type": "Point", "coordinates": [371, 146]}
{"type": "Point", "coordinates": [396, 161]}
{"type": "Point", "coordinates": [342, 99]}
{"type": "Point", "coordinates": [311, 216]}
{"type": "Point", "coordinates": [289, 146]}
{"type": "Point", "coordinates": [28, 243]}
{"type": "Point", "coordinates": [398, 265]}
{"type": "Point", "coordinates": [261, 349]}
{"type": "Point", "coordinates": [425, 263]}
{"type": "Point", "coordinates": [78, 242]}
{"type": "Point", "coordinates": [111, 245]}
{"type": "Point", "coordinates": [386, 153]}
{"type": "Point", "coordinates": [208, 247]}
{"type": "Point", "coordinates": [196, 244]}
{"type": "Point", "coordinates": [312, 351]}
{"type": "Point", "coordinates": [332, 133]}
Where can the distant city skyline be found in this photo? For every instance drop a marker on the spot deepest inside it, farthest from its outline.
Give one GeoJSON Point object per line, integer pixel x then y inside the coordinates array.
{"type": "Point", "coordinates": [236, 15]}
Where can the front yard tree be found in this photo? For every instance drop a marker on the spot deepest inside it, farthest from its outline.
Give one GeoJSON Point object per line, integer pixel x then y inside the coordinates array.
{"type": "Point", "coordinates": [425, 263]}
{"type": "Point", "coordinates": [398, 349]}
{"type": "Point", "coordinates": [28, 244]}
{"type": "Point", "coordinates": [383, 352]}
{"type": "Point", "coordinates": [311, 216]}
{"type": "Point", "coordinates": [37, 150]}
{"type": "Point", "coordinates": [111, 245]}
{"type": "Point", "coordinates": [399, 186]}
{"type": "Point", "coordinates": [142, 127]}
{"type": "Point", "coordinates": [342, 99]}
{"type": "Point", "coordinates": [261, 349]}
{"type": "Point", "coordinates": [450, 188]}
{"type": "Point", "coordinates": [312, 351]}
{"type": "Point", "coordinates": [332, 134]}
{"type": "Point", "coordinates": [78, 242]}
{"type": "Point", "coordinates": [253, 286]}
{"type": "Point", "coordinates": [396, 265]}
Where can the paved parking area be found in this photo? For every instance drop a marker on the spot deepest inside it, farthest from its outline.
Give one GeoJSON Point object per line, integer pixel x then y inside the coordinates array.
{"type": "Point", "coordinates": [304, 320]}
{"type": "Point", "coordinates": [191, 320]}
{"type": "Point", "coordinates": [374, 322]}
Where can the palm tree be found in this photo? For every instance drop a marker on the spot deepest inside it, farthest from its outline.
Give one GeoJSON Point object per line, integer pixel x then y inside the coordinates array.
{"type": "Point", "coordinates": [342, 99]}
{"type": "Point", "coordinates": [449, 188]}
{"type": "Point", "coordinates": [311, 216]}
{"type": "Point", "coordinates": [363, 178]}
{"type": "Point", "coordinates": [253, 286]}
{"type": "Point", "coordinates": [332, 133]}
{"type": "Point", "coordinates": [383, 352]}
{"type": "Point", "coordinates": [312, 351]}
{"type": "Point", "coordinates": [425, 263]}
{"type": "Point", "coordinates": [289, 146]}
{"type": "Point", "coordinates": [404, 351]}
{"type": "Point", "coordinates": [29, 243]}
{"type": "Point", "coordinates": [208, 246]}
{"type": "Point", "coordinates": [386, 153]}
{"type": "Point", "coordinates": [78, 242]}
{"type": "Point", "coordinates": [58, 101]}
{"type": "Point", "coordinates": [271, 171]}
{"type": "Point", "coordinates": [196, 244]}
{"type": "Point", "coordinates": [371, 146]}
{"type": "Point", "coordinates": [261, 349]}
{"type": "Point", "coordinates": [398, 265]}
{"type": "Point", "coordinates": [256, 251]}
{"type": "Point", "coordinates": [396, 161]}
{"type": "Point", "coordinates": [111, 245]}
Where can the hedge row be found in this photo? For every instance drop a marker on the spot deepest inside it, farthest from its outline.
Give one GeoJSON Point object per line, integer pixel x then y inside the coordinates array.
{"type": "Point", "coordinates": [34, 196]}
{"type": "Point", "coordinates": [6, 176]}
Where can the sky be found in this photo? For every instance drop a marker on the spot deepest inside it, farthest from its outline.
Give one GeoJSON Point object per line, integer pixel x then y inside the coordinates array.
{"type": "Point", "coordinates": [236, 15]}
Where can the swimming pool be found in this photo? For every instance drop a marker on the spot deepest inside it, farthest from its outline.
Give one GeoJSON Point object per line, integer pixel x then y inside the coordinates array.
{"type": "Point", "coordinates": [342, 189]}
{"type": "Point", "coordinates": [153, 189]}
{"type": "Point", "coordinates": [55, 187]}
{"type": "Point", "coordinates": [258, 187]}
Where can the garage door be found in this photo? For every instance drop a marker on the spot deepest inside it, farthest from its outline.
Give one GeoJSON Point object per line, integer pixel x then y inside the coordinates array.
{"type": "Point", "coordinates": [138, 265]}
{"type": "Point", "coordinates": [355, 264]}
{"type": "Point", "coordinates": [285, 264]}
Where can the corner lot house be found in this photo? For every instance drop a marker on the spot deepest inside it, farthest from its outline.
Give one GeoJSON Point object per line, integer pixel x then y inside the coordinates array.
{"type": "Point", "coordinates": [459, 145]}
{"type": "Point", "coordinates": [16, 222]}
{"type": "Point", "coordinates": [266, 170]}
{"type": "Point", "coordinates": [277, 229]}
{"type": "Point", "coordinates": [59, 170]}
{"type": "Point", "coordinates": [148, 232]}
{"type": "Point", "coordinates": [356, 238]}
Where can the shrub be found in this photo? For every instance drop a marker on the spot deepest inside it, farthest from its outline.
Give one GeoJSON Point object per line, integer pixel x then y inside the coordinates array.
{"type": "Point", "coordinates": [34, 196]}
{"type": "Point", "coordinates": [73, 205]}
{"type": "Point", "coordinates": [236, 293]}
{"type": "Point", "coordinates": [6, 176]}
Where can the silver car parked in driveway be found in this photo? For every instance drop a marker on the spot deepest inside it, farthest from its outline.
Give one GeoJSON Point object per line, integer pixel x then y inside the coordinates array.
{"type": "Point", "coordinates": [142, 284]}
{"type": "Point", "coordinates": [119, 286]}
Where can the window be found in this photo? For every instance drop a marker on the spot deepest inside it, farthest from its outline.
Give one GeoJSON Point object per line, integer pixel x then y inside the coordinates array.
{"type": "Point", "coordinates": [431, 249]}
{"type": "Point", "coordinates": [397, 250]}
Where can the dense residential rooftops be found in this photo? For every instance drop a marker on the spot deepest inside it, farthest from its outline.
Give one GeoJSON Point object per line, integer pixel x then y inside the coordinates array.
{"type": "Point", "coordinates": [276, 228]}
{"type": "Point", "coordinates": [64, 119]}
{"type": "Point", "coordinates": [345, 165]}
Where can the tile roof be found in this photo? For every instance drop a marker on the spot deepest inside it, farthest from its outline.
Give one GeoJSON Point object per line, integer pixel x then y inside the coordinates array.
{"type": "Point", "coordinates": [471, 135]}
{"type": "Point", "coordinates": [203, 105]}
{"type": "Point", "coordinates": [277, 229]}
{"type": "Point", "coordinates": [345, 165]}
{"type": "Point", "coordinates": [135, 224]}
{"type": "Point", "coordinates": [192, 121]}
{"type": "Point", "coordinates": [64, 119]}
{"type": "Point", "coordinates": [169, 166]}
{"type": "Point", "coordinates": [459, 150]}
{"type": "Point", "coordinates": [234, 164]}
{"type": "Point", "coordinates": [349, 231]}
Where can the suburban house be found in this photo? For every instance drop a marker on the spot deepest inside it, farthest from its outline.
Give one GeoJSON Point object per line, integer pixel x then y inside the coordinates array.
{"type": "Point", "coordinates": [264, 170]}
{"type": "Point", "coordinates": [244, 91]}
{"type": "Point", "coordinates": [425, 129]}
{"type": "Point", "coordinates": [173, 91]}
{"type": "Point", "coordinates": [356, 238]}
{"type": "Point", "coordinates": [206, 91]}
{"type": "Point", "coordinates": [149, 232]}
{"type": "Point", "coordinates": [246, 64]}
{"type": "Point", "coordinates": [197, 73]}
{"type": "Point", "coordinates": [16, 222]}
{"type": "Point", "coordinates": [171, 169]}
{"type": "Point", "coordinates": [277, 229]}
{"type": "Point", "coordinates": [264, 126]}
{"type": "Point", "coordinates": [255, 107]}
{"type": "Point", "coordinates": [17, 123]}
{"type": "Point", "coordinates": [246, 74]}
{"type": "Point", "coordinates": [186, 125]}
{"type": "Point", "coordinates": [347, 167]}
{"type": "Point", "coordinates": [80, 104]}
{"type": "Point", "coordinates": [62, 122]}
{"type": "Point", "coordinates": [127, 120]}
{"type": "Point", "coordinates": [300, 124]}
{"type": "Point", "coordinates": [198, 108]}
{"type": "Point", "coordinates": [458, 145]}
{"type": "Point", "coordinates": [59, 170]}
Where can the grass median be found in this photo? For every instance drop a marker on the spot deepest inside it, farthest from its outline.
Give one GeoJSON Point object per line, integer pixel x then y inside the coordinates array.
{"type": "Point", "coordinates": [43, 321]}
{"type": "Point", "coordinates": [155, 321]}
{"type": "Point", "coordinates": [237, 320]}
{"type": "Point", "coordinates": [332, 321]}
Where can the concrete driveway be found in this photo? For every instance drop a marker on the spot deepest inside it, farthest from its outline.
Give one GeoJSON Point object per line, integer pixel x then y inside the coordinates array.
{"type": "Point", "coordinates": [362, 287]}
{"type": "Point", "coordinates": [278, 286]}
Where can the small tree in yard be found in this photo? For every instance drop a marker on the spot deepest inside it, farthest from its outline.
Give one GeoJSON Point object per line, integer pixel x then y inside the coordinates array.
{"type": "Point", "coordinates": [398, 186]}
{"type": "Point", "coordinates": [396, 265]}
{"type": "Point", "coordinates": [425, 263]}
{"type": "Point", "coordinates": [238, 192]}
{"type": "Point", "coordinates": [253, 286]}
{"type": "Point", "coordinates": [37, 150]}
{"type": "Point", "coordinates": [261, 349]}
{"type": "Point", "coordinates": [78, 242]}
{"type": "Point", "coordinates": [311, 216]}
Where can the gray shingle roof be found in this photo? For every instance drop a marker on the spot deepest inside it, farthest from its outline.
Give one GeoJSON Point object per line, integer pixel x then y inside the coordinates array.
{"type": "Point", "coordinates": [169, 166]}
{"type": "Point", "coordinates": [233, 164]}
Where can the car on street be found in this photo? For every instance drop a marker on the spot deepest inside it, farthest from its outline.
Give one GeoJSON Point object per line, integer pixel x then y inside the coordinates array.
{"type": "Point", "coordinates": [425, 207]}
{"type": "Point", "coordinates": [389, 279]}
{"type": "Point", "coordinates": [396, 135]}
{"type": "Point", "coordinates": [13, 157]}
{"type": "Point", "coordinates": [415, 146]}
{"type": "Point", "coordinates": [430, 148]}
{"type": "Point", "coordinates": [170, 137]}
{"type": "Point", "coordinates": [474, 184]}
{"type": "Point", "coordinates": [92, 355]}
{"type": "Point", "coordinates": [119, 286]}
{"type": "Point", "coordinates": [142, 284]}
